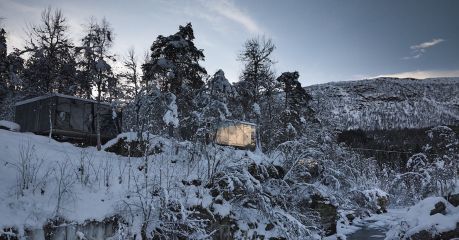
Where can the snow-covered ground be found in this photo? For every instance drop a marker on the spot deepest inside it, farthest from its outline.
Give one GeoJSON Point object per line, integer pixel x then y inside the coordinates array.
{"type": "Point", "coordinates": [41, 178]}
{"type": "Point", "coordinates": [402, 223]}
{"type": "Point", "coordinates": [421, 218]}
{"type": "Point", "coordinates": [46, 163]}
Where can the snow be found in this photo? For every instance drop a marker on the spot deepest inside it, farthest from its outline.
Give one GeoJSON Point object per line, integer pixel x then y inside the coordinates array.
{"type": "Point", "coordinates": [10, 125]}
{"type": "Point", "coordinates": [171, 115]}
{"type": "Point", "coordinates": [56, 94]}
{"type": "Point", "coordinates": [80, 235]}
{"type": "Point", "coordinates": [418, 218]}
{"type": "Point", "coordinates": [223, 209]}
{"type": "Point", "coordinates": [100, 194]}
{"type": "Point", "coordinates": [256, 109]}
{"type": "Point", "coordinates": [374, 194]}
{"type": "Point", "coordinates": [34, 208]}
{"type": "Point", "coordinates": [372, 224]}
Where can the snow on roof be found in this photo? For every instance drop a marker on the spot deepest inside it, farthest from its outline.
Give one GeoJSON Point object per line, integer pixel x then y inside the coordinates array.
{"type": "Point", "coordinates": [240, 122]}
{"type": "Point", "coordinates": [56, 95]}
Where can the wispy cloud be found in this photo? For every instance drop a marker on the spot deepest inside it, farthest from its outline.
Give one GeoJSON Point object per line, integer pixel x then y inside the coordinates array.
{"type": "Point", "coordinates": [229, 10]}
{"type": "Point", "coordinates": [423, 74]}
{"type": "Point", "coordinates": [418, 50]}
{"type": "Point", "coordinates": [221, 12]}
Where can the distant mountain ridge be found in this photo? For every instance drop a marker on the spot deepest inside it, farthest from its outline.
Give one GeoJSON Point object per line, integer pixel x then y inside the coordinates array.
{"type": "Point", "coordinates": [387, 103]}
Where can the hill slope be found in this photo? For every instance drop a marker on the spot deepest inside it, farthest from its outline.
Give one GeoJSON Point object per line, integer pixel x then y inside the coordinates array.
{"type": "Point", "coordinates": [387, 103]}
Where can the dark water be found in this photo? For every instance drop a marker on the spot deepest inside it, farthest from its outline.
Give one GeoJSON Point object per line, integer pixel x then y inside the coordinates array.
{"type": "Point", "coordinates": [368, 231]}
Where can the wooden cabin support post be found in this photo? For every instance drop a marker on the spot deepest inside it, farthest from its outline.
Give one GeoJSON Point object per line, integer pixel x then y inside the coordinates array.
{"type": "Point", "coordinates": [50, 122]}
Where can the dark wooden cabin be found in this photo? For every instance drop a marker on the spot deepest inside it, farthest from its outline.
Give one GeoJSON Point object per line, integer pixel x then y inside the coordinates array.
{"type": "Point", "coordinates": [67, 117]}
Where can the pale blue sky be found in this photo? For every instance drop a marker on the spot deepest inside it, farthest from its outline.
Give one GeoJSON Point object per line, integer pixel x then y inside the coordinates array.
{"type": "Point", "coordinates": [323, 40]}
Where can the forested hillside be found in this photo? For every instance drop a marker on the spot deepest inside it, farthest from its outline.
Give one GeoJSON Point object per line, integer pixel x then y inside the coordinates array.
{"type": "Point", "coordinates": [387, 103]}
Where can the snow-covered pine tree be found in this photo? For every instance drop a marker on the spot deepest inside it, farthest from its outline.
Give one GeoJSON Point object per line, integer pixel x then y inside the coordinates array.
{"type": "Point", "coordinates": [3, 65]}
{"type": "Point", "coordinates": [296, 100]}
{"type": "Point", "coordinates": [174, 67]}
{"type": "Point", "coordinates": [11, 69]}
{"type": "Point", "coordinates": [212, 103]}
{"type": "Point", "coordinates": [15, 72]}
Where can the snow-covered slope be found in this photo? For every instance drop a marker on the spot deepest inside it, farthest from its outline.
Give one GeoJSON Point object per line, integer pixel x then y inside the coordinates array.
{"type": "Point", "coordinates": [387, 103]}
{"type": "Point", "coordinates": [45, 163]}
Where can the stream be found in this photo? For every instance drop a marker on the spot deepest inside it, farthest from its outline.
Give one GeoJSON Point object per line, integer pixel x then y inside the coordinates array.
{"type": "Point", "coordinates": [369, 231]}
{"type": "Point", "coordinates": [376, 226]}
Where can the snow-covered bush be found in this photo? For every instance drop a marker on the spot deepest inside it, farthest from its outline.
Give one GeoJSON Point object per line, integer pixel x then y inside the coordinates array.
{"type": "Point", "coordinates": [346, 178]}
{"type": "Point", "coordinates": [12, 126]}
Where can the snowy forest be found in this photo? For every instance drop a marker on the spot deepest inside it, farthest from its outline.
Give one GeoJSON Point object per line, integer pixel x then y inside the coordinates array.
{"type": "Point", "coordinates": [369, 159]}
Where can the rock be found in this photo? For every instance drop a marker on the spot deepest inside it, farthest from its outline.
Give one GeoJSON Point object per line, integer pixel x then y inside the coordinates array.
{"type": "Point", "coordinates": [439, 208]}
{"type": "Point", "coordinates": [383, 202]}
{"type": "Point", "coordinates": [214, 192]}
{"type": "Point", "coordinates": [453, 199]}
{"type": "Point", "coordinates": [194, 182]}
{"type": "Point", "coordinates": [328, 214]}
{"type": "Point", "coordinates": [252, 225]}
{"type": "Point", "coordinates": [358, 198]}
{"type": "Point", "coordinates": [225, 228]}
{"type": "Point", "coordinates": [269, 227]}
{"type": "Point", "coordinates": [133, 148]}
{"type": "Point", "coordinates": [350, 217]}
{"type": "Point", "coordinates": [200, 213]}
{"type": "Point", "coordinates": [250, 203]}
{"type": "Point", "coordinates": [263, 172]}
{"type": "Point", "coordinates": [424, 235]}
{"type": "Point", "coordinates": [375, 200]}
{"type": "Point", "coordinates": [259, 172]}
{"type": "Point", "coordinates": [276, 172]}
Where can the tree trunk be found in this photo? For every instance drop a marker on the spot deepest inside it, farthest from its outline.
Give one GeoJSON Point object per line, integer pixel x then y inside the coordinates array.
{"type": "Point", "coordinates": [143, 231]}
{"type": "Point", "coordinates": [98, 115]}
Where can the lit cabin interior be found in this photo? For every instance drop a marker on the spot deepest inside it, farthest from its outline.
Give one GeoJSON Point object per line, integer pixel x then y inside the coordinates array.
{"type": "Point", "coordinates": [237, 134]}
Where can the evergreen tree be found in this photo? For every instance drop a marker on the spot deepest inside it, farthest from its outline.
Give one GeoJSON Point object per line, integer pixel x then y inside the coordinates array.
{"type": "Point", "coordinates": [15, 71]}
{"type": "Point", "coordinates": [212, 103]}
{"type": "Point", "coordinates": [296, 100]}
{"type": "Point", "coordinates": [295, 95]}
{"type": "Point", "coordinates": [11, 69]}
{"type": "Point", "coordinates": [3, 65]}
{"type": "Point", "coordinates": [174, 67]}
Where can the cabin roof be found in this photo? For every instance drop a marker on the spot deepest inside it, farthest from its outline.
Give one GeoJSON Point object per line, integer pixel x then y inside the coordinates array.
{"type": "Point", "coordinates": [240, 122]}
{"type": "Point", "coordinates": [57, 95]}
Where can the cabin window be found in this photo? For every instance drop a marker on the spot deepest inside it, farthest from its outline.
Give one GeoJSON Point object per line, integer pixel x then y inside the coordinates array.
{"type": "Point", "coordinates": [236, 134]}
{"type": "Point", "coordinates": [63, 118]}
